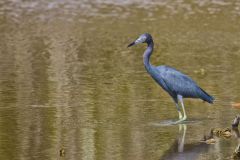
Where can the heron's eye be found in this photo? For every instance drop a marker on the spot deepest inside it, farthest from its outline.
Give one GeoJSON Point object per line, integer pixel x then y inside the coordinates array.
{"type": "Point", "coordinates": [141, 40]}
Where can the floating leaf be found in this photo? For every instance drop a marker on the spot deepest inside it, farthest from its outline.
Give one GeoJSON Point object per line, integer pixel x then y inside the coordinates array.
{"type": "Point", "coordinates": [236, 105]}
{"type": "Point", "coordinates": [62, 152]}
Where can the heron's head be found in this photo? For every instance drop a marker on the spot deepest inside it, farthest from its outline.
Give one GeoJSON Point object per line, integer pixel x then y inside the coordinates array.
{"type": "Point", "coordinates": [144, 38]}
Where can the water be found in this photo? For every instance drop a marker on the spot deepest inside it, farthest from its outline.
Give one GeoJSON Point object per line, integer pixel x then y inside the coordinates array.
{"type": "Point", "coordinates": [68, 82]}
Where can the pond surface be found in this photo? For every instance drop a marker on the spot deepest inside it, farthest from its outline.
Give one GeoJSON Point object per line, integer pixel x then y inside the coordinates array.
{"type": "Point", "coordinates": [69, 83]}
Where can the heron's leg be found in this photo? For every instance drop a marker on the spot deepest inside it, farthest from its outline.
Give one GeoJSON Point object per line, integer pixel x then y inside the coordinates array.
{"type": "Point", "coordinates": [179, 111]}
{"type": "Point", "coordinates": [180, 98]}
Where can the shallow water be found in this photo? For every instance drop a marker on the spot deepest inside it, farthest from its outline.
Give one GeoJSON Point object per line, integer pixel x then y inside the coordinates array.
{"type": "Point", "coordinates": [67, 80]}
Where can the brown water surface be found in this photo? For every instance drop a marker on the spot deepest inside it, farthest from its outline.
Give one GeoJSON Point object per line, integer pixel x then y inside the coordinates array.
{"type": "Point", "coordinates": [67, 80]}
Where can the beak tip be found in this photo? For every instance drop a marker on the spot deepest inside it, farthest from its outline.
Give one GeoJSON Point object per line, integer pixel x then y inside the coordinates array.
{"type": "Point", "coordinates": [131, 44]}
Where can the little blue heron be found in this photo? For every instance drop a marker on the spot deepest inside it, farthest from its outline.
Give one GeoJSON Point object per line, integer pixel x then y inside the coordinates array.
{"type": "Point", "coordinates": [177, 84]}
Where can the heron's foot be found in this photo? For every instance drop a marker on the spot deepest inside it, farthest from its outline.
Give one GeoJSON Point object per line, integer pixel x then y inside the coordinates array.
{"type": "Point", "coordinates": [180, 115]}
{"type": "Point", "coordinates": [184, 118]}
{"type": "Point", "coordinates": [179, 121]}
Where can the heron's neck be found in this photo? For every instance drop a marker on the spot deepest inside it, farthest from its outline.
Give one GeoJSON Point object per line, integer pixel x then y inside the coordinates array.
{"type": "Point", "coordinates": [146, 56]}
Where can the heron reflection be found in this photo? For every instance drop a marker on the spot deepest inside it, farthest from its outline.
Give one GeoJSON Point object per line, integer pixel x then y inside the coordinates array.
{"type": "Point", "coordinates": [181, 151]}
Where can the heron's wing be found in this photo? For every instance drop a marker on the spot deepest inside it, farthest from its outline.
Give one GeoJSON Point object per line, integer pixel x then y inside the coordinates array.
{"type": "Point", "coordinates": [177, 82]}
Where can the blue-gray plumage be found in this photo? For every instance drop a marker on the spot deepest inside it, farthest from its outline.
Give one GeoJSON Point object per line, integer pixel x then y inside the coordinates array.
{"type": "Point", "coordinates": [177, 84]}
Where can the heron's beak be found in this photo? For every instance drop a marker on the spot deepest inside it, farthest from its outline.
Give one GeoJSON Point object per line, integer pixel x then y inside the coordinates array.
{"type": "Point", "coordinates": [131, 44]}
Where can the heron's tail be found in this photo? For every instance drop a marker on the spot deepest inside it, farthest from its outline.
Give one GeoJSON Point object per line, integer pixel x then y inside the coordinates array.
{"type": "Point", "coordinates": [206, 97]}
